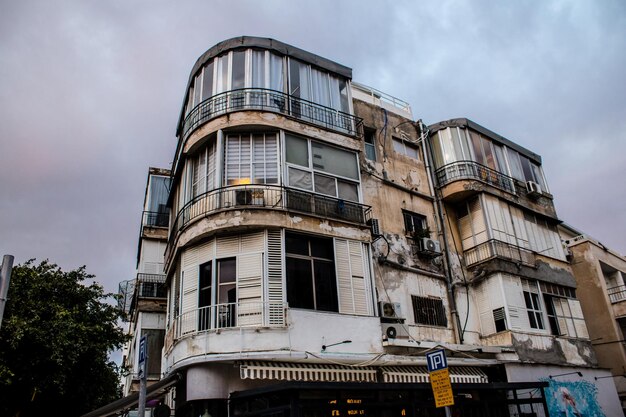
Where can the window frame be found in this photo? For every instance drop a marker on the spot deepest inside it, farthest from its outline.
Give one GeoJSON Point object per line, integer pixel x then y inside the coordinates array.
{"type": "Point", "coordinates": [312, 171]}
{"type": "Point", "coordinates": [404, 144]}
{"type": "Point", "coordinates": [437, 318]}
{"type": "Point", "coordinates": [410, 219]}
{"type": "Point", "coordinates": [313, 278]}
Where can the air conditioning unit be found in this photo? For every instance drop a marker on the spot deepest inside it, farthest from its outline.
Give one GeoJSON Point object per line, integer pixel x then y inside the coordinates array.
{"type": "Point", "coordinates": [390, 310]}
{"type": "Point", "coordinates": [430, 246]}
{"type": "Point", "coordinates": [533, 189]}
{"type": "Point", "coordinates": [394, 331]}
{"type": "Point", "coordinates": [375, 227]}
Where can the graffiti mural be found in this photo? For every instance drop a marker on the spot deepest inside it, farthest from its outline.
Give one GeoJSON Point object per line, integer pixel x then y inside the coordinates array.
{"type": "Point", "coordinates": [572, 399]}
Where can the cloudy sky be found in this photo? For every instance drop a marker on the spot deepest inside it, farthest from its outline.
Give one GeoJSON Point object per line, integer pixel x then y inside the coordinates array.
{"type": "Point", "coordinates": [90, 92]}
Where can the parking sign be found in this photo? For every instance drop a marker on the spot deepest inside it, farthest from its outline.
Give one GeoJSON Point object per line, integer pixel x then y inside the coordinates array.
{"type": "Point", "coordinates": [436, 360]}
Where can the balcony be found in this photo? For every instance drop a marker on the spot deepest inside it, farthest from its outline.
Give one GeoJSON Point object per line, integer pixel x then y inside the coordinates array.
{"type": "Point", "coordinates": [155, 219]}
{"type": "Point", "coordinates": [469, 170]}
{"type": "Point", "coordinates": [151, 286]}
{"type": "Point", "coordinates": [272, 101]}
{"type": "Point", "coordinates": [271, 197]}
{"type": "Point", "coordinates": [492, 249]}
{"type": "Point", "coordinates": [617, 294]}
{"type": "Point", "coordinates": [229, 315]}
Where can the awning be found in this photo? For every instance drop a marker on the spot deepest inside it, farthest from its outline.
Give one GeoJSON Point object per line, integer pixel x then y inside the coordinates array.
{"type": "Point", "coordinates": [306, 372]}
{"type": "Point", "coordinates": [132, 400]}
{"type": "Point", "coordinates": [416, 374]}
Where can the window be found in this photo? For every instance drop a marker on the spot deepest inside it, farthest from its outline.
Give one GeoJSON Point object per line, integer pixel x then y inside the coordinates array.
{"type": "Point", "coordinates": [222, 295]}
{"type": "Point", "coordinates": [414, 223]}
{"type": "Point", "coordinates": [157, 201]}
{"type": "Point", "coordinates": [324, 169]}
{"type": "Point", "coordinates": [564, 312]}
{"type": "Point", "coordinates": [370, 143]}
{"type": "Point", "coordinates": [533, 308]}
{"type": "Point", "coordinates": [430, 311]}
{"type": "Point", "coordinates": [499, 318]}
{"type": "Point", "coordinates": [203, 171]}
{"type": "Point", "coordinates": [311, 281]}
{"type": "Point", "coordinates": [406, 148]}
{"type": "Point", "coordinates": [251, 158]}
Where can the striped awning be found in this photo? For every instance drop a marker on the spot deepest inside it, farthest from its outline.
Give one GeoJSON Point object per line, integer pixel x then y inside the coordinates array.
{"type": "Point", "coordinates": [284, 371]}
{"type": "Point", "coordinates": [417, 374]}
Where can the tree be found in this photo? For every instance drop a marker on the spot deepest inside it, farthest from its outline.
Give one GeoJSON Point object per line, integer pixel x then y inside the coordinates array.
{"type": "Point", "coordinates": [55, 341]}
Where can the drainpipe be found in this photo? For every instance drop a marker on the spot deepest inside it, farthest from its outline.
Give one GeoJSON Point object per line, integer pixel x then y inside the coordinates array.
{"type": "Point", "coordinates": [422, 130]}
{"type": "Point", "coordinates": [5, 277]}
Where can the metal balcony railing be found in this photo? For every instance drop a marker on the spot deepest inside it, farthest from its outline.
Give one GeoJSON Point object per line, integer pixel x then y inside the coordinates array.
{"type": "Point", "coordinates": [273, 101]}
{"type": "Point", "coordinates": [617, 294]}
{"type": "Point", "coordinates": [461, 170]}
{"type": "Point", "coordinates": [155, 219]}
{"type": "Point", "coordinates": [230, 315]}
{"type": "Point", "coordinates": [497, 249]}
{"type": "Point", "coordinates": [151, 286]}
{"type": "Point", "coordinates": [268, 197]}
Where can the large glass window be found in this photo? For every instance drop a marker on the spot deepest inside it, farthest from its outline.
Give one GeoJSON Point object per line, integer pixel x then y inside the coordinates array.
{"type": "Point", "coordinates": [157, 201]}
{"type": "Point", "coordinates": [251, 158]}
{"type": "Point", "coordinates": [311, 281]}
{"type": "Point", "coordinates": [533, 307]}
{"type": "Point", "coordinates": [203, 171]}
{"type": "Point", "coordinates": [321, 168]}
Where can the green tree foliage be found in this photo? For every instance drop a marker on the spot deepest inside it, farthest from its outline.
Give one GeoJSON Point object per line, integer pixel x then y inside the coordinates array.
{"type": "Point", "coordinates": [55, 338]}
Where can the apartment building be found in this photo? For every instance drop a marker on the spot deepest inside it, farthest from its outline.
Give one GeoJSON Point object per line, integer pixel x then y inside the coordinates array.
{"type": "Point", "coordinates": [321, 242]}
{"type": "Point", "coordinates": [144, 297]}
{"type": "Point", "coordinates": [600, 274]}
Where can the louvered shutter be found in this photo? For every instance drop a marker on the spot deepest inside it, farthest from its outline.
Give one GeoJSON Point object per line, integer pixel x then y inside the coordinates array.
{"type": "Point", "coordinates": [351, 279]}
{"type": "Point", "coordinates": [275, 284]}
{"type": "Point", "coordinates": [478, 222]}
{"type": "Point", "coordinates": [519, 227]}
{"type": "Point", "coordinates": [518, 316]}
{"type": "Point", "coordinates": [579, 319]}
{"type": "Point", "coordinates": [189, 290]}
{"type": "Point", "coordinates": [487, 297]}
{"type": "Point", "coordinates": [249, 289]}
{"type": "Point", "coordinates": [227, 246]}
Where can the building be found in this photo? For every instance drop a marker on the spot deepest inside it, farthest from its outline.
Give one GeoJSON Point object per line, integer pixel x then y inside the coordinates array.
{"type": "Point", "coordinates": [321, 242]}
{"type": "Point", "coordinates": [601, 275]}
{"type": "Point", "coordinates": [144, 298]}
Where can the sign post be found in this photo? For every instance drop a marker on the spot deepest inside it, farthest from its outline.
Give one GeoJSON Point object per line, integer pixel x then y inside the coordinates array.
{"type": "Point", "coordinates": [440, 379]}
{"type": "Point", "coordinates": [143, 374]}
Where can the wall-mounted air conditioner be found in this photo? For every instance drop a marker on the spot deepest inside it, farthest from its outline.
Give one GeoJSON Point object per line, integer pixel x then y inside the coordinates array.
{"type": "Point", "coordinates": [394, 331]}
{"type": "Point", "coordinates": [390, 310]}
{"type": "Point", "coordinates": [533, 189]}
{"type": "Point", "coordinates": [429, 246]}
{"type": "Point", "coordinates": [374, 226]}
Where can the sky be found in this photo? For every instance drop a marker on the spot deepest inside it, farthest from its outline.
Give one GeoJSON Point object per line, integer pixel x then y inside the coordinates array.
{"type": "Point", "coordinates": [91, 90]}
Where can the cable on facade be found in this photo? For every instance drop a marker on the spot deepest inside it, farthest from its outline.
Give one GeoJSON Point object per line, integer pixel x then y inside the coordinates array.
{"type": "Point", "coordinates": [456, 250]}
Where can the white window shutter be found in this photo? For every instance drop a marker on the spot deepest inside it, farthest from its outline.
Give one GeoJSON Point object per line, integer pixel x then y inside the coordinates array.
{"type": "Point", "coordinates": [351, 279]}
{"type": "Point", "coordinates": [344, 278]}
{"type": "Point", "coordinates": [249, 289]}
{"type": "Point", "coordinates": [484, 306]}
{"type": "Point", "coordinates": [275, 293]}
{"type": "Point", "coordinates": [518, 317]}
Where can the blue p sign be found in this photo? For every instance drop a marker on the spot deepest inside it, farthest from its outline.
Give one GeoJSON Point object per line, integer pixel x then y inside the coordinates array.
{"type": "Point", "coordinates": [436, 360]}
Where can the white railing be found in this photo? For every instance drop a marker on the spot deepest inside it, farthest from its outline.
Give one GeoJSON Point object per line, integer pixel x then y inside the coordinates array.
{"type": "Point", "coordinates": [377, 97]}
{"type": "Point", "coordinates": [230, 315]}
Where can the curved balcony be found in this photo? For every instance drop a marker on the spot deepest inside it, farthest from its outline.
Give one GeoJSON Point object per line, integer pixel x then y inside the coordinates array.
{"type": "Point", "coordinates": [493, 249]}
{"type": "Point", "coordinates": [470, 170]}
{"type": "Point", "coordinates": [269, 197]}
{"type": "Point", "coordinates": [227, 316]}
{"type": "Point", "coordinates": [272, 101]}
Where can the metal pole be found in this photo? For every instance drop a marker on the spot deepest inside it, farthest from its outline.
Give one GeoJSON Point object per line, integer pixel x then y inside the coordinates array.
{"type": "Point", "coordinates": [5, 277]}
{"type": "Point", "coordinates": [143, 375]}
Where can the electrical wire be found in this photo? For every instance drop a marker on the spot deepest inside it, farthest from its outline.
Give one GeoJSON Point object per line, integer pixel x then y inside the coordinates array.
{"type": "Point", "coordinates": [456, 250]}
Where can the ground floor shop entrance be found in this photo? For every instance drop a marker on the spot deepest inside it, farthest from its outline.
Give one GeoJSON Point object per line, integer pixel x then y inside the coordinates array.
{"type": "Point", "coordinates": [389, 400]}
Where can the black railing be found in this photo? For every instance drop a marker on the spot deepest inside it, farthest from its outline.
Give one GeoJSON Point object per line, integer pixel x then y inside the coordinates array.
{"type": "Point", "coordinates": [617, 294]}
{"type": "Point", "coordinates": [151, 286]}
{"type": "Point", "coordinates": [270, 100]}
{"type": "Point", "coordinates": [155, 219]}
{"type": "Point", "coordinates": [472, 170]}
{"type": "Point", "coordinates": [498, 249]}
{"type": "Point", "coordinates": [267, 197]}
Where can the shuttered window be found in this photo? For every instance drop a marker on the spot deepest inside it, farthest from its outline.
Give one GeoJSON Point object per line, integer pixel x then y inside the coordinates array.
{"type": "Point", "coordinates": [352, 277]}
{"type": "Point", "coordinates": [429, 310]}
{"type": "Point", "coordinates": [251, 159]}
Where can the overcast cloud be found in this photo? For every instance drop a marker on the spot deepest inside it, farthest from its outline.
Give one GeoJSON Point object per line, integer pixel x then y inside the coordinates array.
{"type": "Point", "coordinates": [90, 93]}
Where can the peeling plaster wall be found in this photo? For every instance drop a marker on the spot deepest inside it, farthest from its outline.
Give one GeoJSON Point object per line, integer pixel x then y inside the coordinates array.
{"type": "Point", "coordinates": [601, 315]}
{"type": "Point", "coordinates": [553, 350]}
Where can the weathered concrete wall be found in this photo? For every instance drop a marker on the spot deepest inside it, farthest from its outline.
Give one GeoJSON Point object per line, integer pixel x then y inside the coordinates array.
{"type": "Point", "coordinates": [600, 313]}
